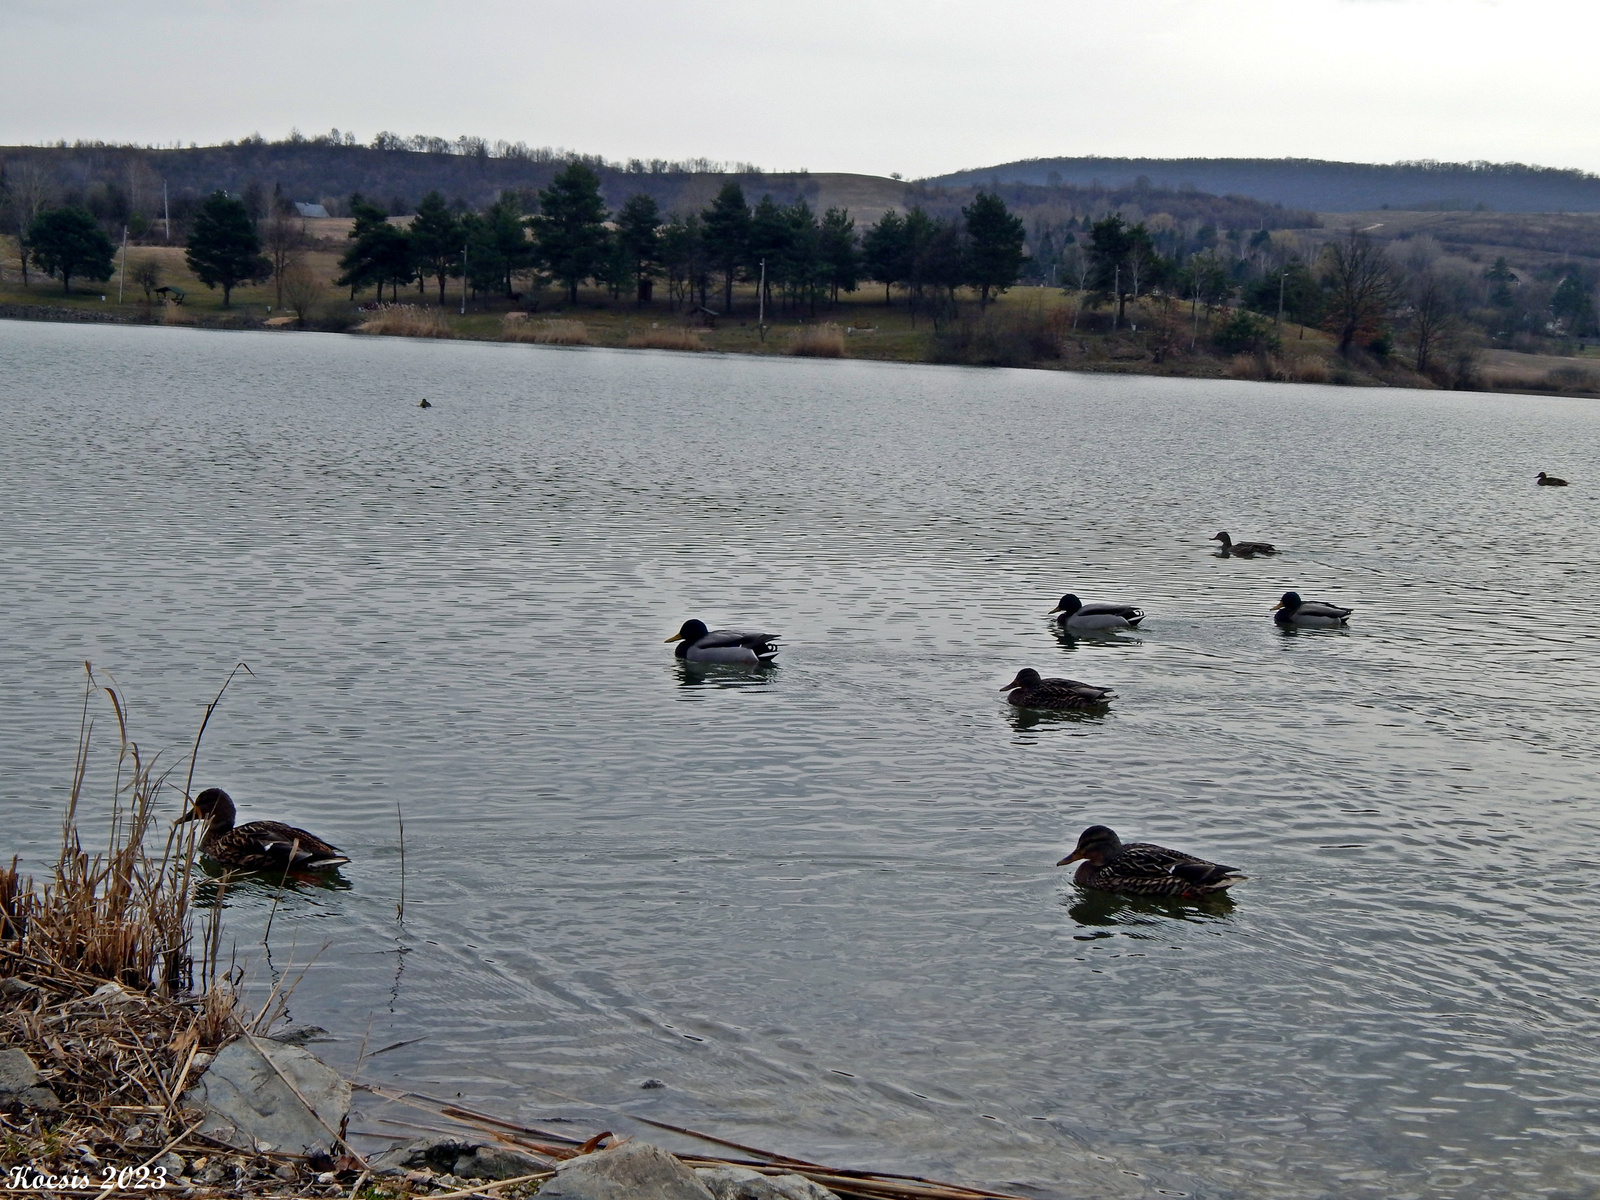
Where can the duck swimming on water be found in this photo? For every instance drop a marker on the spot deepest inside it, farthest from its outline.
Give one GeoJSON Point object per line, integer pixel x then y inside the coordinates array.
{"type": "Point", "coordinates": [697, 644]}
{"type": "Point", "coordinates": [259, 845]}
{"type": "Point", "coordinates": [1241, 549]}
{"type": "Point", "coordinates": [1291, 610]}
{"type": "Point", "coordinates": [1029, 690]}
{"type": "Point", "coordinates": [1550, 480]}
{"type": "Point", "coordinates": [1143, 869]}
{"type": "Point", "coordinates": [1075, 616]}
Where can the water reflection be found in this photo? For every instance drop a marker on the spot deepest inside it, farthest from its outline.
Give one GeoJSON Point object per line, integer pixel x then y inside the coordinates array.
{"type": "Point", "coordinates": [722, 675]}
{"type": "Point", "coordinates": [220, 885]}
{"type": "Point", "coordinates": [1100, 909]}
{"type": "Point", "coordinates": [1102, 637]}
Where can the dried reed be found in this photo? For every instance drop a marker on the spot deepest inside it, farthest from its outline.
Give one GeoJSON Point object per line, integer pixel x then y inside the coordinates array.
{"type": "Point", "coordinates": [817, 341]}
{"type": "Point", "coordinates": [552, 332]}
{"type": "Point", "coordinates": [674, 337]}
{"type": "Point", "coordinates": [407, 320]}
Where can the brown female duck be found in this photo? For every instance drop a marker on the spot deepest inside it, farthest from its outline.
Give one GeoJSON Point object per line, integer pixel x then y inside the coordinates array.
{"type": "Point", "coordinates": [1241, 549]}
{"type": "Point", "coordinates": [1142, 869]}
{"type": "Point", "coordinates": [259, 845]}
{"type": "Point", "coordinates": [1028, 690]}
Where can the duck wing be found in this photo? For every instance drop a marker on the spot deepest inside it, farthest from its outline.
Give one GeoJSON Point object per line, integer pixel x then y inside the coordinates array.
{"type": "Point", "coordinates": [1149, 870]}
{"type": "Point", "coordinates": [262, 845]}
{"type": "Point", "coordinates": [1251, 549]}
{"type": "Point", "coordinates": [733, 645]}
{"type": "Point", "coordinates": [1070, 691]}
{"type": "Point", "coordinates": [1315, 608]}
{"type": "Point", "coordinates": [1130, 613]}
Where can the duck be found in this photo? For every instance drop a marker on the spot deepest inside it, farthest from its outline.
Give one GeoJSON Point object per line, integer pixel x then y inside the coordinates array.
{"type": "Point", "coordinates": [1029, 690]}
{"type": "Point", "coordinates": [1075, 616]}
{"type": "Point", "coordinates": [259, 845]}
{"type": "Point", "coordinates": [1241, 549]}
{"type": "Point", "coordinates": [697, 644]}
{"type": "Point", "coordinates": [1550, 480]}
{"type": "Point", "coordinates": [423, 403]}
{"type": "Point", "coordinates": [1143, 869]}
{"type": "Point", "coordinates": [1291, 610]}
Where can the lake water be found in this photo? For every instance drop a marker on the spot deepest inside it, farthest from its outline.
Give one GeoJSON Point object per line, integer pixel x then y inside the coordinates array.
{"type": "Point", "coordinates": [820, 903]}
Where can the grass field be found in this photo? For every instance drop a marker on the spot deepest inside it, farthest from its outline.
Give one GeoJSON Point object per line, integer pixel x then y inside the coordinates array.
{"type": "Point", "coordinates": [1027, 326]}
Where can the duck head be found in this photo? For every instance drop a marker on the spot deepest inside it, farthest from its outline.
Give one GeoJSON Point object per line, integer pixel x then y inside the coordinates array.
{"type": "Point", "coordinates": [1290, 602]}
{"type": "Point", "coordinates": [1069, 605]}
{"type": "Point", "coordinates": [692, 631]}
{"type": "Point", "coordinates": [1221, 536]}
{"type": "Point", "coordinates": [1026, 678]}
{"type": "Point", "coordinates": [213, 806]}
{"type": "Point", "coordinates": [1095, 844]}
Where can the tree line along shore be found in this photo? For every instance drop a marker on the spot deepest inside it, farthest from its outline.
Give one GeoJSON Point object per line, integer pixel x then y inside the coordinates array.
{"type": "Point", "coordinates": [974, 285]}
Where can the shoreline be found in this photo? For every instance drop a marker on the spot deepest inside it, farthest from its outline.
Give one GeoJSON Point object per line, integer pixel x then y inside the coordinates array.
{"type": "Point", "coordinates": [1086, 352]}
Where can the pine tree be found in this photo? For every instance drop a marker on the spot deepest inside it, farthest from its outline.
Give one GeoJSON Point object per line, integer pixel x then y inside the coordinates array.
{"type": "Point", "coordinates": [436, 240]}
{"type": "Point", "coordinates": [727, 236]}
{"type": "Point", "coordinates": [570, 229]}
{"type": "Point", "coordinates": [639, 237]}
{"type": "Point", "coordinates": [995, 240]}
{"type": "Point", "coordinates": [68, 242]}
{"type": "Point", "coordinates": [224, 248]}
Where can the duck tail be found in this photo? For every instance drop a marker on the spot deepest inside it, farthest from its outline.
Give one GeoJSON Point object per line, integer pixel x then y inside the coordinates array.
{"type": "Point", "coordinates": [326, 861]}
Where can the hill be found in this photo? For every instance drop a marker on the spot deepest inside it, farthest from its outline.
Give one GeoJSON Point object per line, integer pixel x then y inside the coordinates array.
{"type": "Point", "coordinates": [1330, 187]}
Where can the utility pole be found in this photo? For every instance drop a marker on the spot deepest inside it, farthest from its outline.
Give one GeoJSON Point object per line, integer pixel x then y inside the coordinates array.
{"type": "Point", "coordinates": [761, 302]}
{"type": "Point", "coordinates": [122, 273]}
{"type": "Point", "coordinates": [463, 281]}
{"type": "Point", "coordinates": [166, 213]}
{"type": "Point", "coordinates": [1116, 296]}
{"type": "Point", "coordinates": [1283, 277]}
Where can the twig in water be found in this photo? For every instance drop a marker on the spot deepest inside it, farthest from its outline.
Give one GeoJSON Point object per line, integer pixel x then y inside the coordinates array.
{"type": "Point", "coordinates": [400, 910]}
{"type": "Point", "coordinates": [294, 848]}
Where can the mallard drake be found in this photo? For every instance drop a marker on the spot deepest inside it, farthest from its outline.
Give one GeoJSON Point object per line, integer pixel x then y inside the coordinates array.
{"type": "Point", "coordinates": [1075, 616]}
{"type": "Point", "coordinates": [1142, 869]}
{"type": "Point", "coordinates": [1028, 690]}
{"type": "Point", "coordinates": [1291, 610]}
{"type": "Point", "coordinates": [259, 845]}
{"type": "Point", "coordinates": [1241, 549]}
{"type": "Point", "coordinates": [1550, 481]}
{"type": "Point", "coordinates": [697, 644]}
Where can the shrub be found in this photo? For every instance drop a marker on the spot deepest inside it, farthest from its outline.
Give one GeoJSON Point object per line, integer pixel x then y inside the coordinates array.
{"type": "Point", "coordinates": [407, 320]}
{"type": "Point", "coordinates": [1245, 333]}
{"type": "Point", "coordinates": [1001, 338]}
{"type": "Point", "coordinates": [817, 341]}
{"type": "Point", "coordinates": [545, 333]}
{"type": "Point", "coordinates": [674, 337]}
{"type": "Point", "coordinates": [1572, 379]}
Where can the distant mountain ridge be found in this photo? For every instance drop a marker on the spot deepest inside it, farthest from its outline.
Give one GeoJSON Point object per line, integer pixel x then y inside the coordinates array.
{"type": "Point", "coordinates": [1316, 184]}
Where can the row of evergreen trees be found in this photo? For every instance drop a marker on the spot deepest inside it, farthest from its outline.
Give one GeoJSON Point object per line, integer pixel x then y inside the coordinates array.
{"type": "Point", "coordinates": [799, 258]}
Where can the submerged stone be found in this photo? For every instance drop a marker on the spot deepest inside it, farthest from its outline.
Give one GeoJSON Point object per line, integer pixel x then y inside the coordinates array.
{"type": "Point", "coordinates": [741, 1183]}
{"type": "Point", "coordinates": [457, 1157]}
{"type": "Point", "coordinates": [19, 1083]}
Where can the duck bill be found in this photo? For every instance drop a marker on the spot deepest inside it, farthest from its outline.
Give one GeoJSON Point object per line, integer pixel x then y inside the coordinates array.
{"type": "Point", "coordinates": [677, 637]}
{"type": "Point", "coordinates": [191, 815]}
{"type": "Point", "coordinates": [1276, 606]}
{"type": "Point", "coordinates": [1015, 683]}
{"type": "Point", "coordinates": [1055, 610]}
{"type": "Point", "coordinates": [1070, 859]}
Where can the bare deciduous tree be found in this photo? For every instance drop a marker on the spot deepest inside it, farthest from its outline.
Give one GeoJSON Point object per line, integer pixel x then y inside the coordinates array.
{"type": "Point", "coordinates": [284, 238]}
{"type": "Point", "coordinates": [1431, 316]}
{"type": "Point", "coordinates": [1360, 282]}
{"type": "Point", "coordinates": [146, 274]}
{"type": "Point", "coordinates": [301, 290]}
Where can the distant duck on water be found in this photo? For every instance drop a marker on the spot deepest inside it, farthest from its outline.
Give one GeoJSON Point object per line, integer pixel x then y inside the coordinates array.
{"type": "Point", "coordinates": [259, 845]}
{"type": "Point", "coordinates": [732, 647]}
{"type": "Point", "coordinates": [1029, 690]}
{"type": "Point", "coordinates": [1550, 481]}
{"type": "Point", "coordinates": [1291, 610]}
{"type": "Point", "coordinates": [1143, 869]}
{"type": "Point", "coordinates": [1241, 549]}
{"type": "Point", "coordinates": [1075, 616]}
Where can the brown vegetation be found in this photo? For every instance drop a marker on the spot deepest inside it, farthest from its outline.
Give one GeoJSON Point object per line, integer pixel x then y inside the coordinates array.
{"type": "Point", "coordinates": [817, 341]}
{"type": "Point", "coordinates": [407, 320]}
{"type": "Point", "coordinates": [552, 332]}
{"type": "Point", "coordinates": [672, 337]}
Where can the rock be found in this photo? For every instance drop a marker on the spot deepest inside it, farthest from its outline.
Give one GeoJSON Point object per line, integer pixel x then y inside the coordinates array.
{"type": "Point", "coordinates": [172, 1163]}
{"type": "Point", "coordinates": [652, 1083]}
{"type": "Point", "coordinates": [113, 997]}
{"type": "Point", "coordinates": [248, 1106]}
{"type": "Point", "coordinates": [284, 1171]}
{"type": "Point", "coordinates": [741, 1183]}
{"type": "Point", "coordinates": [631, 1171]}
{"type": "Point", "coordinates": [456, 1156]}
{"type": "Point", "coordinates": [299, 1035]}
{"type": "Point", "coordinates": [20, 1086]}
{"type": "Point", "coordinates": [497, 1162]}
{"type": "Point", "coordinates": [19, 990]}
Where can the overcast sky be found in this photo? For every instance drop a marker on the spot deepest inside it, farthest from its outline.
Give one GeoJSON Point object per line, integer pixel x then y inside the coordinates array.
{"type": "Point", "coordinates": [867, 85]}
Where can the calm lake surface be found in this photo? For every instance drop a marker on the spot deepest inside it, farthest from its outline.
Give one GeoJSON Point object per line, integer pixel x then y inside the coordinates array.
{"type": "Point", "coordinates": [820, 903]}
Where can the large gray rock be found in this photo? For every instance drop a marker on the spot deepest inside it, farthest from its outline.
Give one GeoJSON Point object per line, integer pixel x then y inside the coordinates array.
{"type": "Point", "coordinates": [19, 1083]}
{"type": "Point", "coordinates": [631, 1171]}
{"type": "Point", "coordinates": [247, 1104]}
{"type": "Point", "coordinates": [457, 1156]}
{"type": "Point", "coordinates": [741, 1183]}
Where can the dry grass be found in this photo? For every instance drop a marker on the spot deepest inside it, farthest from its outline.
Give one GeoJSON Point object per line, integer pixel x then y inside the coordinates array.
{"type": "Point", "coordinates": [673, 337]}
{"type": "Point", "coordinates": [817, 341]}
{"type": "Point", "coordinates": [1299, 368]}
{"type": "Point", "coordinates": [551, 332]}
{"type": "Point", "coordinates": [407, 320]}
